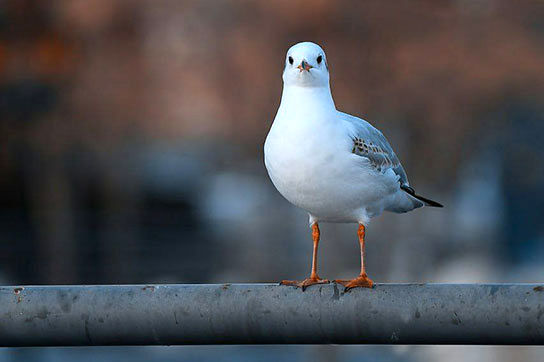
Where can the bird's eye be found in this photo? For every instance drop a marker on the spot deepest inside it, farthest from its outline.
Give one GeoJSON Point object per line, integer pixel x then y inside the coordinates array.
{"type": "Point", "coordinates": [319, 59]}
{"type": "Point", "coordinates": [291, 60]}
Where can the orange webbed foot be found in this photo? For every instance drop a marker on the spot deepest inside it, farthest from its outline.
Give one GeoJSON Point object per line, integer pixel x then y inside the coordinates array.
{"type": "Point", "coordinates": [304, 283]}
{"type": "Point", "coordinates": [362, 281]}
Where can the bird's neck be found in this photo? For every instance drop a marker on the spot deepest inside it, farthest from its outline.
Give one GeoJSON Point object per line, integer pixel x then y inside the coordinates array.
{"type": "Point", "coordinates": [306, 100]}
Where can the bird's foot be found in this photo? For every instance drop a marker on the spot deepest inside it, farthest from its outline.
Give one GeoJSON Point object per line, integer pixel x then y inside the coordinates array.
{"type": "Point", "coordinates": [362, 281]}
{"type": "Point", "coordinates": [305, 283]}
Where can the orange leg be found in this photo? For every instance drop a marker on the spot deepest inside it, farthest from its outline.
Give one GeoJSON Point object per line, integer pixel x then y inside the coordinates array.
{"type": "Point", "coordinates": [362, 280]}
{"type": "Point", "coordinates": [314, 278]}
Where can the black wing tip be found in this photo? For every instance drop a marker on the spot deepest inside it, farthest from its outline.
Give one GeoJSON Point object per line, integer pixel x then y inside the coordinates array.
{"type": "Point", "coordinates": [412, 192]}
{"type": "Point", "coordinates": [428, 202]}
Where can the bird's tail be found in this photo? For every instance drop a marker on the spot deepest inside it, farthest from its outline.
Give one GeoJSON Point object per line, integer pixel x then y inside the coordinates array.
{"type": "Point", "coordinates": [412, 192]}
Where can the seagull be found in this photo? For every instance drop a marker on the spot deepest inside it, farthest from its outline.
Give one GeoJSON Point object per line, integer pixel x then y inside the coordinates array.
{"type": "Point", "coordinates": [335, 166]}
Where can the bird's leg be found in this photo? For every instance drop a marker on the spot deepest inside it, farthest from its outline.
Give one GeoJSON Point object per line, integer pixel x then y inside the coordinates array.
{"type": "Point", "coordinates": [362, 280]}
{"type": "Point", "coordinates": [314, 278]}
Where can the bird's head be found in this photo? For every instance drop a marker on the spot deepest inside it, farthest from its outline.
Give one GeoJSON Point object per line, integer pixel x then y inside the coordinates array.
{"type": "Point", "coordinates": [306, 66]}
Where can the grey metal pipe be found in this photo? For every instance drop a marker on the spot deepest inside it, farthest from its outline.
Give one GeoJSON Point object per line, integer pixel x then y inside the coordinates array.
{"type": "Point", "coordinates": [267, 313]}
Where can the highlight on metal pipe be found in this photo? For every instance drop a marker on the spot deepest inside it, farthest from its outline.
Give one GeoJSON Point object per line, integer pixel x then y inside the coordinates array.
{"type": "Point", "coordinates": [271, 314]}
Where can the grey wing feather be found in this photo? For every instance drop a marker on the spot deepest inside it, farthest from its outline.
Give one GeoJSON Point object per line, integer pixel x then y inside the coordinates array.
{"type": "Point", "coordinates": [369, 142]}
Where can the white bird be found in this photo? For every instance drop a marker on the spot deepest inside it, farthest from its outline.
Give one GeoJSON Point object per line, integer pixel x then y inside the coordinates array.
{"type": "Point", "coordinates": [337, 167]}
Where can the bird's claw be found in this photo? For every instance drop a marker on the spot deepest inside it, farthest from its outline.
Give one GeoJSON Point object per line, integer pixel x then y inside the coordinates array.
{"type": "Point", "coordinates": [362, 281]}
{"type": "Point", "coordinates": [304, 283]}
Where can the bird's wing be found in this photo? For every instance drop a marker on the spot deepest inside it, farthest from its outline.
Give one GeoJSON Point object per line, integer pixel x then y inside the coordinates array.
{"type": "Point", "coordinates": [370, 143]}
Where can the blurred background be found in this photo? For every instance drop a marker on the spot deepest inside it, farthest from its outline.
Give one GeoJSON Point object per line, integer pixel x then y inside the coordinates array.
{"type": "Point", "coordinates": [131, 136]}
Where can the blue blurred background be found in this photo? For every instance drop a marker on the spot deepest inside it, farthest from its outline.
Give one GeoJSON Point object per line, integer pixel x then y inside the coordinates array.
{"type": "Point", "coordinates": [131, 137]}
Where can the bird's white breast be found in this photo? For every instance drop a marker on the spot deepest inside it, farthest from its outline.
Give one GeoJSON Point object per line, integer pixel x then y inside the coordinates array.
{"type": "Point", "coordinates": [310, 162]}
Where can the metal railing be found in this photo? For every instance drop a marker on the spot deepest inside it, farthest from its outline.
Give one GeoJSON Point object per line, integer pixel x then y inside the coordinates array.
{"type": "Point", "coordinates": [271, 314]}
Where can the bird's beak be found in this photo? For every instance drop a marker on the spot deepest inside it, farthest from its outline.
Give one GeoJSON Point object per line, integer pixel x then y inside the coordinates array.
{"type": "Point", "coordinates": [304, 66]}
